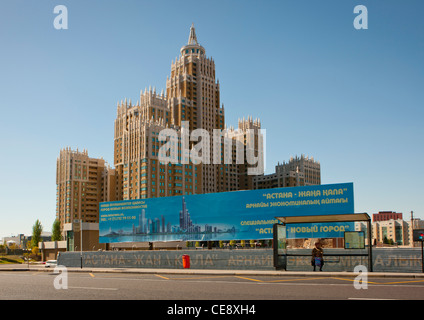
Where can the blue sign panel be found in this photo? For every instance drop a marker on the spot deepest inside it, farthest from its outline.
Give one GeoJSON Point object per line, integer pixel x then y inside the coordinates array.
{"type": "Point", "coordinates": [319, 230]}
{"type": "Point", "coordinates": [238, 215]}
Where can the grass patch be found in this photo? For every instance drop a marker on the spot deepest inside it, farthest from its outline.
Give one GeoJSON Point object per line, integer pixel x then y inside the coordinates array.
{"type": "Point", "coordinates": [11, 260]}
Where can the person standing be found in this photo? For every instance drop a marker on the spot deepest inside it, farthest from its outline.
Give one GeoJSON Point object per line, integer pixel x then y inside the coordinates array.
{"type": "Point", "coordinates": [317, 256]}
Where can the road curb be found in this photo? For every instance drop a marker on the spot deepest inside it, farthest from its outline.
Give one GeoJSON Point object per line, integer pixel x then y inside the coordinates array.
{"type": "Point", "coordinates": [15, 269]}
{"type": "Point", "coordinates": [225, 272]}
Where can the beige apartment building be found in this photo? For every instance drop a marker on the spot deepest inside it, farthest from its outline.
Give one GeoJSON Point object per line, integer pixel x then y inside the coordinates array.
{"type": "Point", "coordinates": [139, 172]}
{"type": "Point", "coordinates": [398, 230]}
{"type": "Point", "coordinates": [249, 137]}
{"type": "Point", "coordinates": [82, 182]}
{"type": "Point", "coordinates": [299, 171]}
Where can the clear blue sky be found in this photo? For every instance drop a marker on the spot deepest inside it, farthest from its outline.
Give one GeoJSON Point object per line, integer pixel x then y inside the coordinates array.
{"type": "Point", "coordinates": [352, 99]}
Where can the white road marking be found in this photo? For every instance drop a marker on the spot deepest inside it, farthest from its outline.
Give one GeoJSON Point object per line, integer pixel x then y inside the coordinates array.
{"type": "Point", "coordinates": [369, 299]}
{"type": "Point", "coordinates": [93, 288]}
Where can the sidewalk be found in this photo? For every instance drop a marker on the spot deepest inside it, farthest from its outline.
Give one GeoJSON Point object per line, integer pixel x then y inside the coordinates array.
{"type": "Point", "coordinates": [216, 272]}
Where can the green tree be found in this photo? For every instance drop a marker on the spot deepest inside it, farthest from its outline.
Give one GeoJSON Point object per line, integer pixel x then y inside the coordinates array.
{"type": "Point", "coordinates": [37, 228]}
{"type": "Point", "coordinates": [56, 234]}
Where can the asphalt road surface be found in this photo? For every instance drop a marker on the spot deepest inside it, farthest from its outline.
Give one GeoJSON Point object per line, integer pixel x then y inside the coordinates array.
{"type": "Point", "coordinates": [38, 285]}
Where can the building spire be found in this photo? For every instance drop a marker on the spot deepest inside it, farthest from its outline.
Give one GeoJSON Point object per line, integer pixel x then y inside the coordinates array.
{"type": "Point", "coordinates": [192, 39]}
{"type": "Point", "coordinates": [192, 47]}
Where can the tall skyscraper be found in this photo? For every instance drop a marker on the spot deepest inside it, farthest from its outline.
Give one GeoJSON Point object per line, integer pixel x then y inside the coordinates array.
{"type": "Point", "coordinates": [139, 173]}
{"type": "Point", "coordinates": [142, 222]}
{"type": "Point", "coordinates": [193, 95]}
{"type": "Point", "coordinates": [185, 220]}
{"type": "Point", "coordinates": [192, 101]}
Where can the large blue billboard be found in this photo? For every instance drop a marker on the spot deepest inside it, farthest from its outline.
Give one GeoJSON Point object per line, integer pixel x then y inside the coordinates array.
{"type": "Point", "coordinates": [237, 215]}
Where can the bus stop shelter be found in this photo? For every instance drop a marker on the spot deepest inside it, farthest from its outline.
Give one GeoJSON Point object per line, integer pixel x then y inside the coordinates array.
{"type": "Point", "coordinates": [279, 243]}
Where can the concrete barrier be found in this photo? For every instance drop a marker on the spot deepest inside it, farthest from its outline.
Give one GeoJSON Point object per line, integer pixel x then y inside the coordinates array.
{"type": "Point", "coordinates": [259, 259]}
{"type": "Point", "coordinates": [407, 260]}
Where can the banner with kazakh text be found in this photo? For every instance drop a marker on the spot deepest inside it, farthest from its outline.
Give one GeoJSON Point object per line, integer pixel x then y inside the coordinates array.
{"type": "Point", "coordinates": [237, 215]}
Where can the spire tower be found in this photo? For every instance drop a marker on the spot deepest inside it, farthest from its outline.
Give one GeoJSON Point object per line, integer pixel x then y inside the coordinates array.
{"type": "Point", "coordinates": [192, 46]}
{"type": "Point", "coordinates": [192, 39]}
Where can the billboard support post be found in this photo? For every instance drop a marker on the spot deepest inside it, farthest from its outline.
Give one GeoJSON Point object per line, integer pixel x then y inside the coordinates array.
{"type": "Point", "coordinates": [370, 266]}
{"type": "Point", "coordinates": [81, 240]}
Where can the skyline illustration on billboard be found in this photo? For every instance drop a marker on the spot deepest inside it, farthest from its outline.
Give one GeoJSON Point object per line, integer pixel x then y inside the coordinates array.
{"type": "Point", "coordinates": [237, 215]}
{"type": "Point", "coordinates": [160, 229]}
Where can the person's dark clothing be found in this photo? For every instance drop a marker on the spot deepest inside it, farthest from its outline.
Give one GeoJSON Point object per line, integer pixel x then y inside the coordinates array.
{"type": "Point", "coordinates": [317, 258]}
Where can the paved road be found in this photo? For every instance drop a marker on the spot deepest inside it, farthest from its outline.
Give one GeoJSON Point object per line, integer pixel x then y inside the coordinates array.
{"type": "Point", "coordinates": [104, 286]}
